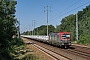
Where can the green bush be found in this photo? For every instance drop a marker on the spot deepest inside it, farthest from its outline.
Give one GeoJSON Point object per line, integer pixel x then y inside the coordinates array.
{"type": "Point", "coordinates": [17, 41]}
{"type": "Point", "coordinates": [84, 39]}
{"type": "Point", "coordinates": [14, 44]}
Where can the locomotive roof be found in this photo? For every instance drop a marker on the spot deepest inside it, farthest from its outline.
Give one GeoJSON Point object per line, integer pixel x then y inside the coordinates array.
{"type": "Point", "coordinates": [65, 32]}
{"type": "Point", "coordinates": [55, 33]}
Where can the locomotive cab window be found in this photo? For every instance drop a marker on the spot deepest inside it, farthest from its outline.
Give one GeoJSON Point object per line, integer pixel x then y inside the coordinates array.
{"type": "Point", "coordinates": [65, 36]}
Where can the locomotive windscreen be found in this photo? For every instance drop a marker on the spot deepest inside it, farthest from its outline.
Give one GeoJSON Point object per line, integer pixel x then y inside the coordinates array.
{"type": "Point", "coordinates": [65, 35]}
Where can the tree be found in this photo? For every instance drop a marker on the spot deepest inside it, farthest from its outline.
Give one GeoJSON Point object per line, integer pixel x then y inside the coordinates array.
{"type": "Point", "coordinates": [7, 24]}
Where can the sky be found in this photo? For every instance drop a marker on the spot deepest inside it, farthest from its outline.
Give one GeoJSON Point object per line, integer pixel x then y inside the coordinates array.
{"type": "Point", "coordinates": [28, 11]}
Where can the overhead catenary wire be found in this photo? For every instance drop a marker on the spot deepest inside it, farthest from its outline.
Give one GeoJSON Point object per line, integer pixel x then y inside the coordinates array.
{"type": "Point", "coordinates": [65, 9]}
{"type": "Point", "coordinates": [68, 7]}
{"type": "Point", "coordinates": [70, 11]}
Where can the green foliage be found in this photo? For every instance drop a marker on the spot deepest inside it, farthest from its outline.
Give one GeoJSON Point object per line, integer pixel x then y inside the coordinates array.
{"type": "Point", "coordinates": [67, 24]}
{"type": "Point", "coordinates": [7, 27]}
{"type": "Point", "coordinates": [84, 39]}
{"type": "Point", "coordinates": [43, 29]}
{"type": "Point", "coordinates": [7, 21]}
{"type": "Point", "coordinates": [84, 25]}
{"type": "Point", "coordinates": [17, 41]}
{"type": "Point", "coordinates": [5, 53]}
{"type": "Point", "coordinates": [51, 28]}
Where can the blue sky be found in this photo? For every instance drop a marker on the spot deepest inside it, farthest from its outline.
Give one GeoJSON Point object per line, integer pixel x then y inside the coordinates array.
{"type": "Point", "coordinates": [30, 10]}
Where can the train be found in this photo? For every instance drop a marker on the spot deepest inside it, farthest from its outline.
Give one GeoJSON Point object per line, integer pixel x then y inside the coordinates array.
{"type": "Point", "coordinates": [60, 39]}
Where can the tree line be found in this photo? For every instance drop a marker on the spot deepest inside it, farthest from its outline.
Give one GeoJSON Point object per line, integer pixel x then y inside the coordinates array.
{"type": "Point", "coordinates": [42, 30]}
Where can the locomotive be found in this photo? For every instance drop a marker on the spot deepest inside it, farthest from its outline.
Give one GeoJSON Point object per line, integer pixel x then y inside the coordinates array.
{"type": "Point", "coordinates": [62, 39]}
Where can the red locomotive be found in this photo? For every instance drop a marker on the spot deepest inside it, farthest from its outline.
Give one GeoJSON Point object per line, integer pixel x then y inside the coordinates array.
{"type": "Point", "coordinates": [60, 39]}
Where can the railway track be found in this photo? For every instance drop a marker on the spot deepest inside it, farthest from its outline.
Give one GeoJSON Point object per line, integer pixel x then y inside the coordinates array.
{"type": "Point", "coordinates": [78, 53]}
{"type": "Point", "coordinates": [81, 51]}
{"type": "Point", "coordinates": [72, 53]}
{"type": "Point", "coordinates": [51, 53]}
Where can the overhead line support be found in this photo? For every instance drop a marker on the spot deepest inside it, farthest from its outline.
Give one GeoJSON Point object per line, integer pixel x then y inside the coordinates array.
{"type": "Point", "coordinates": [47, 15]}
{"type": "Point", "coordinates": [76, 26]}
